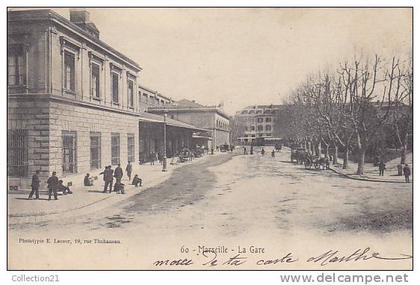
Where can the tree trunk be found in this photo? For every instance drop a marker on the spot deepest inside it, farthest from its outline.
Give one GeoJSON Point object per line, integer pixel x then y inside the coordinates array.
{"type": "Point", "coordinates": [335, 155]}
{"type": "Point", "coordinates": [312, 147]}
{"type": "Point", "coordinates": [327, 150]}
{"type": "Point", "coordinates": [346, 158]}
{"type": "Point", "coordinates": [404, 149]}
{"type": "Point", "coordinates": [319, 149]}
{"type": "Point", "coordinates": [361, 161]}
{"type": "Point", "coordinates": [403, 154]}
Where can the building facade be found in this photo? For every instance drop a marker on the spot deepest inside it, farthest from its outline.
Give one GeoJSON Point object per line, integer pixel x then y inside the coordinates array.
{"type": "Point", "coordinates": [211, 118]}
{"type": "Point", "coordinates": [74, 103]}
{"type": "Point", "coordinates": [256, 123]}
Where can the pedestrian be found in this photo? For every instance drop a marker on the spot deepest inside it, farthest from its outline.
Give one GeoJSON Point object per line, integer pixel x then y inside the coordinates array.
{"type": "Point", "coordinates": [129, 169]}
{"type": "Point", "coordinates": [108, 178]}
{"type": "Point", "coordinates": [273, 153]}
{"type": "Point", "coordinates": [137, 181]}
{"type": "Point", "coordinates": [35, 186]}
{"type": "Point", "coordinates": [381, 168]}
{"type": "Point", "coordinates": [407, 173]}
{"type": "Point", "coordinates": [52, 185]}
{"type": "Point", "coordinates": [118, 174]}
{"type": "Point", "coordinates": [252, 150]}
{"type": "Point", "coordinates": [262, 151]}
{"type": "Point", "coordinates": [245, 152]}
{"type": "Point", "coordinates": [152, 158]}
{"type": "Point", "coordinates": [88, 181]}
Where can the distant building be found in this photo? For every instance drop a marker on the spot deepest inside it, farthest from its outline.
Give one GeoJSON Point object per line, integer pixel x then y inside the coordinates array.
{"type": "Point", "coordinates": [255, 124]}
{"type": "Point", "coordinates": [211, 118]}
{"type": "Point", "coordinates": [151, 98]}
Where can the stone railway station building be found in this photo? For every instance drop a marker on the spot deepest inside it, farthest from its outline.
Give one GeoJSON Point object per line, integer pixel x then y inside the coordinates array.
{"type": "Point", "coordinates": [210, 118]}
{"type": "Point", "coordinates": [74, 102]}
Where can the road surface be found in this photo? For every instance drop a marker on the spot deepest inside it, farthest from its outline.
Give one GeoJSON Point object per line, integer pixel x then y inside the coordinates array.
{"type": "Point", "coordinates": [237, 201]}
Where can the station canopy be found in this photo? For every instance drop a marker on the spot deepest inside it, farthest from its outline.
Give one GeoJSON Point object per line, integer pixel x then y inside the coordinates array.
{"type": "Point", "coordinates": [153, 118]}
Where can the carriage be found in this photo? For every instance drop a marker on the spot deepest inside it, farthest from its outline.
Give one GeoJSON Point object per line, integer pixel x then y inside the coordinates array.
{"type": "Point", "coordinates": [298, 155]}
{"type": "Point", "coordinates": [316, 162]}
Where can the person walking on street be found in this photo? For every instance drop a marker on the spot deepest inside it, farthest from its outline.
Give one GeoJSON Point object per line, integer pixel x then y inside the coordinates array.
{"type": "Point", "coordinates": [129, 169]}
{"type": "Point", "coordinates": [118, 174]}
{"type": "Point", "coordinates": [52, 186]}
{"type": "Point", "coordinates": [262, 151]}
{"type": "Point", "coordinates": [407, 173]}
{"type": "Point", "coordinates": [152, 158]}
{"type": "Point", "coordinates": [381, 168]}
{"type": "Point", "coordinates": [35, 186]}
{"type": "Point", "coordinates": [273, 153]}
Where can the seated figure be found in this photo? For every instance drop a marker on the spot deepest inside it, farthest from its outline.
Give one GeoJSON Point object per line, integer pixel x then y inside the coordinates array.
{"type": "Point", "coordinates": [137, 181]}
{"type": "Point", "coordinates": [88, 181]}
{"type": "Point", "coordinates": [65, 189]}
{"type": "Point", "coordinates": [119, 187]}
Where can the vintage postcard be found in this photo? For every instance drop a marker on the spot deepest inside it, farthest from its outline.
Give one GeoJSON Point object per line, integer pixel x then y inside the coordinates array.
{"type": "Point", "coordinates": [210, 138]}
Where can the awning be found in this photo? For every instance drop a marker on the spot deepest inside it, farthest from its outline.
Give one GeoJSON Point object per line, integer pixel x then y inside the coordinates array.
{"type": "Point", "coordinates": [201, 137]}
{"type": "Point", "coordinates": [153, 118]}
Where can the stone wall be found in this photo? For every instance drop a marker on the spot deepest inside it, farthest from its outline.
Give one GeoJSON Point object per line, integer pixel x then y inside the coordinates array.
{"type": "Point", "coordinates": [31, 114]}
{"type": "Point", "coordinates": [46, 119]}
{"type": "Point", "coordinates": [84, 120]}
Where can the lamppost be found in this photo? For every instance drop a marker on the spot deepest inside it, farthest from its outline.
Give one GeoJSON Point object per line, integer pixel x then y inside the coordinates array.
{"type": "Point", "coordinates": [164, 144]}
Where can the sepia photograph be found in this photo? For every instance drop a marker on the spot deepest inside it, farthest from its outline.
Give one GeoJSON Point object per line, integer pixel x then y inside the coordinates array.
{"type": "Point", "coordinates": [210, 138]}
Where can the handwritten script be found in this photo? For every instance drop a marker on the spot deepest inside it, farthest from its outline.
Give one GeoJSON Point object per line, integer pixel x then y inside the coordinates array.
{"type": "Point", "coordinates": [221, 257]}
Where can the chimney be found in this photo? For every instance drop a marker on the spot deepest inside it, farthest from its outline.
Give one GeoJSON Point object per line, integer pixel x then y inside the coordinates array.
{"type": "Point", "coordinates": [80, 17]}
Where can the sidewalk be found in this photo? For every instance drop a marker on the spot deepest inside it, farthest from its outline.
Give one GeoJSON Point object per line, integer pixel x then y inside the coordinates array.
{"type": "Point", "coordinates": [86, 199]}
{"type": "Point", "coordinates": [371, 173]}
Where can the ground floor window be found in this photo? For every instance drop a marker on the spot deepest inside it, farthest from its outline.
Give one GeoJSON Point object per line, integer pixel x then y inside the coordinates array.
{"type": "Point", "coordinates": [95, 150]}
{"type": "Point", "coordinates": [69, 152]}
{"type": "Point", "coordinates": [17, 153]}
{"type": "Point", "coordinates": [115, 148]}
{"type": "Point", "coordinates": [130, 147]}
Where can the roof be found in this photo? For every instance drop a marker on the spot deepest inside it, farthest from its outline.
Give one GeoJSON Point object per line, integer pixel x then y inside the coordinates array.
{"type": "Point", "coordinates": [48, 14]}
{"type": "Point", "coordinates": [153, 118]}
{"type": "Point", "coordinates": [188, 103]}
{"type": "Point", "coordinates": [156, 93]}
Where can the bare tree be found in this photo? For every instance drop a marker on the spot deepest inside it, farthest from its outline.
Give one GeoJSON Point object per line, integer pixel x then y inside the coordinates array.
{"type": "Point", "coordinates": [401, 116]}
{"type": "Point", "coordinates": [369, 90]}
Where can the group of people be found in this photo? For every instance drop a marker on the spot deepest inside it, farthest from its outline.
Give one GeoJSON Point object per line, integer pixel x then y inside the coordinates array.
{"type": "Point", "coordinates": [251, 151]}
{"type": "Point", "coordinates": [109, 174]}
{"type": "Point", "coordinates": [55, 185]}
{"type": "Point", "coordinates": [405, 170]}
{"type": "Point", "coordinates": [155, 156]}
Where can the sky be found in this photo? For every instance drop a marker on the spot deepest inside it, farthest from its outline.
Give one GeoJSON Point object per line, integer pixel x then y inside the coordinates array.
{"type": "Point", "coordinates": [242, 57]}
